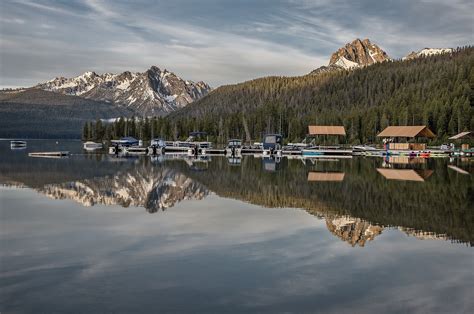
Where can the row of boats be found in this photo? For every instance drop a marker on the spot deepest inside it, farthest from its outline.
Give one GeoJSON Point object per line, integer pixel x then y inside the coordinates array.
{"type": "Point", "coordinates": [272, 145]}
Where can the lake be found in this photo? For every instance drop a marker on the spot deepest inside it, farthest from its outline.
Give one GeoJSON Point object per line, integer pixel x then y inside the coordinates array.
{"type": "Point", "coordinates": [98, 233]}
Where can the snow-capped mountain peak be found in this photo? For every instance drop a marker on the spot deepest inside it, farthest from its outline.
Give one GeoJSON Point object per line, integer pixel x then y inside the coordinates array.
{"type": "Point", "coordinates": [153, 92]}
{"type": "Point", "coordinates": [427, 52]}
{"type": "Point", "coordinates": [358, 53]}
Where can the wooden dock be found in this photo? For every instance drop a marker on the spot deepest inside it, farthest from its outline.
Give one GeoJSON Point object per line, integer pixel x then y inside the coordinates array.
{"type": "Point", "coordinates": [59, 154]}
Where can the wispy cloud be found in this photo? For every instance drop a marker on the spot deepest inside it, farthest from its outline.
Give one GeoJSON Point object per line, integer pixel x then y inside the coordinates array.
{"type": "Point", "coordinates": [220, 43]}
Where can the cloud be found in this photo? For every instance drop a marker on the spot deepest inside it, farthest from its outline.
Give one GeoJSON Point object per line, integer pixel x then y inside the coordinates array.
{"type": "Point", "coordinates": [222, 43]}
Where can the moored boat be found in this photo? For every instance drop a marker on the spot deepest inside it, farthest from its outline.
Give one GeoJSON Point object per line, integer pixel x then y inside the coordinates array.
{"type": "Point", "coordinates": [16, 144]}
{"type": "Point", "coordinates": [89, 145]}
{"type": "Point", "coordinates": [234, 147]}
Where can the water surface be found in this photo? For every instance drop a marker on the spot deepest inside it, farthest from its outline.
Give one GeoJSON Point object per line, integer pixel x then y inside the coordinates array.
{"type": "Point", "coordinates": [94, 233]}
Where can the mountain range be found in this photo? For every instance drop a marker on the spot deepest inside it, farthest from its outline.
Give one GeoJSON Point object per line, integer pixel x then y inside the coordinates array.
{"type": "Point", "coordinates": [151, 93]}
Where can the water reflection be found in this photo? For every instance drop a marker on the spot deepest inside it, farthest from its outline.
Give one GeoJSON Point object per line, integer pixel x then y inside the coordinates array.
{"type": "Point", "coordinates": [357, 197]}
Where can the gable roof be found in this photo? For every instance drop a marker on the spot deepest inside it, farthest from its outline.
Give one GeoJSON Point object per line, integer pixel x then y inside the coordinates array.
{"type": "Point", "coordinates": [461, 135]}
{"type": "Point", "coordinates": [325, 176]}
{"type": "Point", "coordinates": [407, 131]}
{"type": "Point", "coordinates": [405, 174]}
{"type": "Point", "coordinates": [326, 130]}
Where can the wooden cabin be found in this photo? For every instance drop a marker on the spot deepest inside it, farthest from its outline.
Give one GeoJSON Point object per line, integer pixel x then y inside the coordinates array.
{"type": "Point", "coordinates": [466, 136]}
{"type": "Point", "coordinates": [408, 132]}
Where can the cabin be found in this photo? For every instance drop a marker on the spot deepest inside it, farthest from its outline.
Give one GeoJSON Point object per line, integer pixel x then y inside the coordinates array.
{"type": "Point", "coordinates": [396, 133]}
{"type": "Point", "coordinates": [463, 136]}
{"type": "Point", "coordinates": [325, 131]}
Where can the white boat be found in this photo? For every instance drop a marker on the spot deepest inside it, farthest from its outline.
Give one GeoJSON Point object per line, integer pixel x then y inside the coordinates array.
{"type": "Point", "coordinates": [192, 144]}
{"type": "Point", "coordinates": [18, 144]}
{"type": "Point", "coordinates": [234, 147]}
{"type": "Point", "coordinates": [136, 150]}
{"type": "Point", "coordinates": [92, 145]}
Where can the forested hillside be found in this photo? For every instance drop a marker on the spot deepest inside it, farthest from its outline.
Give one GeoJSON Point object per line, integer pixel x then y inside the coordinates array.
{"type": "Point", "coordinates": [434, 90]}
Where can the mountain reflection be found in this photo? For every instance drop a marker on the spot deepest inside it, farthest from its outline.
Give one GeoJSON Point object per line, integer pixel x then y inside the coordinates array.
{"type": "Point", "coordinates": [358, 198]}
{"type": "Point", "coordinates": [152, 188]}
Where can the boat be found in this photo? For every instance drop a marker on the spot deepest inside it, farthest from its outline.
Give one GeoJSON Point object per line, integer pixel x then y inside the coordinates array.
{"type": "Point", "coordinates": [89, 145]}
{"type": "Point", "coordinates": [158, 142]}
{"type": "Point", "coordinates": [272, 142]}
{"type": "Point", "coordinates": [234, 147]}
{"type": "Point", "coordinates": [16, 144]}
{"type": "Point", "coordinates": [136, 150]}
{"type": "Point", "coordinates": [126, 141]}
{"type": "Point", "coordinates": [193, 144]}
{"type": "Point", "coordinates": [316, 151]}
{"type": "Point", "coordinates": [119, 145]}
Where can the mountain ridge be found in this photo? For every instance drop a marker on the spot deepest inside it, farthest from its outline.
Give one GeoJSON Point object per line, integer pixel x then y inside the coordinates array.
{"type": "Point", "coordinates": [154, 92]}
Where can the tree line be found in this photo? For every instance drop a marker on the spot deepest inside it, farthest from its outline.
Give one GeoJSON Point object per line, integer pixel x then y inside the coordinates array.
{"type": "Point", "coordinates": [436, 91]}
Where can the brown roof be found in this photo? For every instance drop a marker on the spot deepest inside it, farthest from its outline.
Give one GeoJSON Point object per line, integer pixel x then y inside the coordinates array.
{"type": "Point", "coordinates": [461, 135]}
{"type": "Point", "coordinates": [405, 174]}
{"type": "Point", "coordinates": [407, 131]}
{"type": "Point", "coordinates": [462, 171]}
{"type": "Point", "coordinates": [405, 160]}
{"type": "Point", "coordinates": [325, 176]}
{"type": "Point", "coordinates": [326, 130]}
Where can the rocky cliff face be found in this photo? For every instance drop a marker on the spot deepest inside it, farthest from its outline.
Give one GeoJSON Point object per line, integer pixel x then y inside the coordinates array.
{"type": "Point", "coordinates": [153, 92]}
{"type": "Point", "coordinates": [358, 53]}
{"type": "Point", "coordinates": [354, 231]}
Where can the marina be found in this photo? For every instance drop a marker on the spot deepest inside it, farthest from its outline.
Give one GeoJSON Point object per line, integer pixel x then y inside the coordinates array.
{"type": "Point", "coordinates": [401, 141]}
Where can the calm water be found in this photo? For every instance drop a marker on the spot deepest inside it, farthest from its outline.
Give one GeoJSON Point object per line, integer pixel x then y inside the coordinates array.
{"type": "Point", "coordinates": [93, 233]}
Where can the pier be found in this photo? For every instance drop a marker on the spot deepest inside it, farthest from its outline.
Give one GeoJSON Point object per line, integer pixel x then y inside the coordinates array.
{"type": "Point", "coordinates": [59, 154]}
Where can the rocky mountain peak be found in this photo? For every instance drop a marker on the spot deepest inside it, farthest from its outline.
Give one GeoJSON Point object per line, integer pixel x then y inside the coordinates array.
{"type": "Point", "coordinates": [358, 53]}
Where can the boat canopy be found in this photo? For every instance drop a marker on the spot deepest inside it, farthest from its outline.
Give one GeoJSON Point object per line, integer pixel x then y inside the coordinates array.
{"type": "Point", "coordinates": [407, 131]}
{"type": "Point", "coordinates": [194, 135]}
{"type": "Point", "coordinates": [128, 140]}
{"type": "Point", "coordinates": [234, 142]}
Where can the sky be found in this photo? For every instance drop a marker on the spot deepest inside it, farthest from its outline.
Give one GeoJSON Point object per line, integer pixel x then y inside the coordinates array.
{"type": "Point", "coordinates": [216, 41]}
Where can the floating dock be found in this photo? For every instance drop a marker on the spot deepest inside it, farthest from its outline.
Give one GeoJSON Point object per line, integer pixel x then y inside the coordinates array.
{"type": "Point", "coordinates": [59, 154]}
